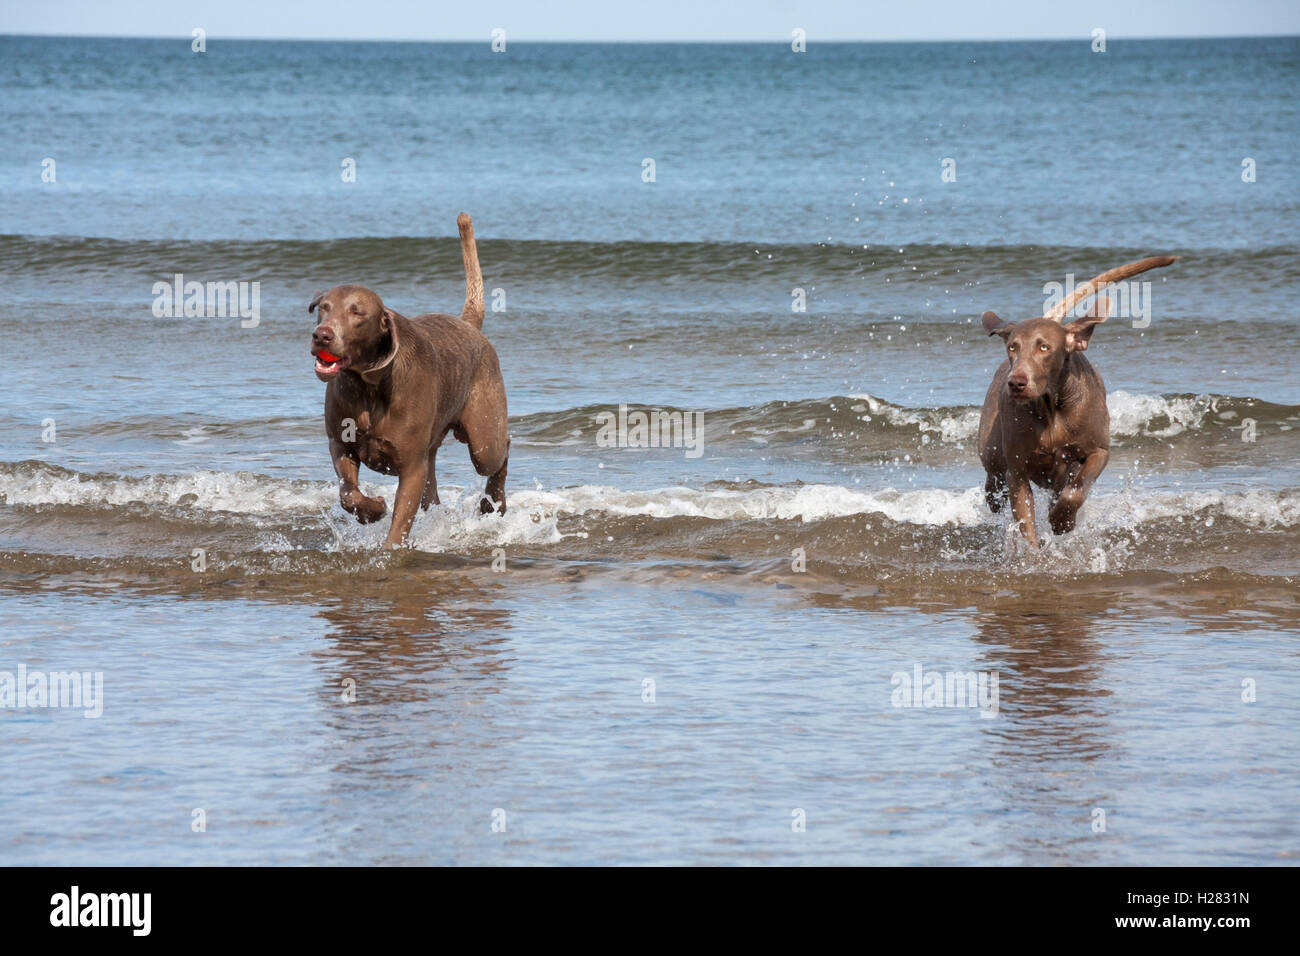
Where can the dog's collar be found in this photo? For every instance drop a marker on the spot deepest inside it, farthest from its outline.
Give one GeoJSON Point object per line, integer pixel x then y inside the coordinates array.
{"type": "Point", "coordinates": [376, 369]}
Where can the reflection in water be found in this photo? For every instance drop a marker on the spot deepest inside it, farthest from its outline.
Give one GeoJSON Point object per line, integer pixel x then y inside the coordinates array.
{"type": "Point", "coordinates": [409, 664]}
{"type": "Point", "coordinates": [471, 691]}
{"type": "Point", "coordinates": [401, 635]}
{"type": "Point", "coordinates": [1052, 723]}
{"type": "Point", "coordinates": [1048, 661]}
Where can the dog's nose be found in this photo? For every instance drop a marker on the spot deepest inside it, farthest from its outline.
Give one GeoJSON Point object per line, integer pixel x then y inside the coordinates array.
{"type": "Point", "coordinates": [1018, 380]}
{"type": "Point", "coordinates": [322, 335]}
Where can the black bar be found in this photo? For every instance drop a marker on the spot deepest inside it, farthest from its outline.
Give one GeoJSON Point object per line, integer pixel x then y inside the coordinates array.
{"type": "Point", "coordinates": [334, 905]}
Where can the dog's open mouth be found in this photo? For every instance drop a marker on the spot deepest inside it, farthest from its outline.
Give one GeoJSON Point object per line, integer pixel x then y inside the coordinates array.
{"type": "Point", "coordinates": [329, 364]}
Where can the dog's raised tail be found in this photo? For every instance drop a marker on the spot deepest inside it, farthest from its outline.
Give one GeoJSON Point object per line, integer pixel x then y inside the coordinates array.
{"type": "Point", "coordinates": [1093, 286]}
{"type": "Point", "coordinates": [473, 311]}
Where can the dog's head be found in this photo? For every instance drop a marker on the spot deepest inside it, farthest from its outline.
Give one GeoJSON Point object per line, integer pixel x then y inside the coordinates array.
{"type": "Point", "coordinates": [353, 330]}
{"type": "Point", "coordinates": [1038, 349]}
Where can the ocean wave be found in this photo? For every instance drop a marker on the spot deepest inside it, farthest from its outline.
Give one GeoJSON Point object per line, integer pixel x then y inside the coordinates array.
{"type": "Point", "coordinates": [36, 485]}
{"type": "Point", "coordinates": [105, 527]}
{"type": "Point", "coordinates": [1187, 431]}
{"type": "Point", "coordinates": [844, 418]}
{"type": "Point", "coordinates": [380, 261]}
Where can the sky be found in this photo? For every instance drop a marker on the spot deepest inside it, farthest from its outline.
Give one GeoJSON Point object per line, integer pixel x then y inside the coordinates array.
{"type": "Point", "coordinates": [685, 20]}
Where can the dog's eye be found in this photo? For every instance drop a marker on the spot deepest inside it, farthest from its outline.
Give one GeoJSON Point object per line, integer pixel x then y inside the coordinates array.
{"type": "Point", "coordinates": [1042, 347]}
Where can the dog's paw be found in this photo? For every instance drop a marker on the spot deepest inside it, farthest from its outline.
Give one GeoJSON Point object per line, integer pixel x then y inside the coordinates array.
{"type": "Point", "coordinates": [1062, 523]}
{"type": "Point", "coordinates": [371, 510]}
{"type": "Point", "coordinates": [1062, 515]}
{"type": "Point", "coordinates": [366, 510]}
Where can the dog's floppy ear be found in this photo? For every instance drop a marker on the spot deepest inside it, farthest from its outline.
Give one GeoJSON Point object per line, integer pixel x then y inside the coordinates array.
{"type": "Point", "coordinates": [995, 326]}
{"type": "Point", "coordinates": [315, 302]}
{"type": "Point", "coordinates": [1079, 332]}
{"type": "Point", "coordinates": [386, 320]}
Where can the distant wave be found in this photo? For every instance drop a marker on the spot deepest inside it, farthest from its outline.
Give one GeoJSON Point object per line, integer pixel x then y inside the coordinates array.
{"type": "Point", "coordinates": [882, 425]}
{"type": "Point", "coordinates": [398, 259]}
{"type": "Point", "coordinates": [845, 428]}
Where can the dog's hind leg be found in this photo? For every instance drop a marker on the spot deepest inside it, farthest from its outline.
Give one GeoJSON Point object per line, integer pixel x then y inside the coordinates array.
{"type": "Point", "coordinates": [489, 450]}
{"type": "Point", "coordinates": [494, 496]}
{"type": "Point", "coordinates": [490, 456]}
{"type": "Point", "coordinates": [430, 496]}
{"type": "Point", "coordinates": [483, 427]}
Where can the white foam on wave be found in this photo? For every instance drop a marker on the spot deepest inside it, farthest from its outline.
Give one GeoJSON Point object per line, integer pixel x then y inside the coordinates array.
{"type": "Point", "coordinates": [240, 492]}
{"type": "Point", "coordinates": [948, 426]}
{"type": "Point", "coordinates": [454, 525]}
{"type": "Point", "coordinates": [534, 513]}
{"type": "Point", "coordinates": [249, 494]}
{"type": "Point", "coordinates": [937, 507]}
{"type": "Point", "coordinates": [803, 503]}
{"type": "Point", "coordinates": [1259, 508]}
{"type": "Point", "coordinates": [1155, 415]}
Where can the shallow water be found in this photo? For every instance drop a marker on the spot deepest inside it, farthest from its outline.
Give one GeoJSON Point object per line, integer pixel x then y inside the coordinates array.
{"type": "Point", "coordinates": [829, 535]}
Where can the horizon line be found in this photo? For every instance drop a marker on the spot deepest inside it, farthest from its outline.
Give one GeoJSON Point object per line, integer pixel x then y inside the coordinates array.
{"type": "Point", "coordinates": [737, 42]}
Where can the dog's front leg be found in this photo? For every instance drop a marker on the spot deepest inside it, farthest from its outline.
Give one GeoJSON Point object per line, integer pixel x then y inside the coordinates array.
{"type": "Point", "coordinates": [350, 497]}
{"type": "Point", "coordinates": [1071, 497]}
{"type": "Point", "coordinates": [995, 491]}
{"type": "Point", "coordinates": [1022, 507]}
{"type": "Point", "coordinates": [410, 487]}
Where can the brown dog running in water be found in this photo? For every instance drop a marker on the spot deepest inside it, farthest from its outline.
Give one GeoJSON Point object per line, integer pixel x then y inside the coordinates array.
{"type": "Point", "coordinates": [397, 387]}
{"type": "Point", "coordinates": [1045, 419]}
